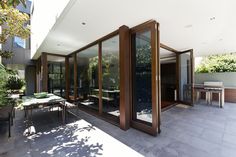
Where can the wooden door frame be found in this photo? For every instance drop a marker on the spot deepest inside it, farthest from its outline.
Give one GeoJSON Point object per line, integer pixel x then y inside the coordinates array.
{"type": "Point", "coordinates": [178, 70]}
{"type": "Point", "coordinates": [153, 26]}
{"type": "Point", "coordinates": [191, 74]}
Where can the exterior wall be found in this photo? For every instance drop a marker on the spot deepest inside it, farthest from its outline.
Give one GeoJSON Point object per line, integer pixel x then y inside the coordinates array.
{"type": "Point", "coordinates": [20, 56]}
{"type": "Point", "coordinates": [30, 80]}
{"type": "Point", "coordinates": [228, 80]}
{"type": "Point", "coordinates": [44, 15]}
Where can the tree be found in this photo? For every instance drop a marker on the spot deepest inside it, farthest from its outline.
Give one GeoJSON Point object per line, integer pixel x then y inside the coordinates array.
{"type": "Point", "coordinates": [218, 63]}
{"type": "Point", "coordinates": [12, 22]}
{"type": "Point", "coordinates": [13, 3]}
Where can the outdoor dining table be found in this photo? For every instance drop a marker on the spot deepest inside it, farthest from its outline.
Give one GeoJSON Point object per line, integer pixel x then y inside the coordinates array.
{"type": "Point", "coordinates": [31, 102]}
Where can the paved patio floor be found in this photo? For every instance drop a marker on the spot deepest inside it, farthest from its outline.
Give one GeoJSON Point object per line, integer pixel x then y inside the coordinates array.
{"type": "Point", "coordinates": [199, 131]}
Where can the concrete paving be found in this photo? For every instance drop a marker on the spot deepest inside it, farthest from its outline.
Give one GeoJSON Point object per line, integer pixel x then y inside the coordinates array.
{"type": "Point", "coordinates": [199, 131]}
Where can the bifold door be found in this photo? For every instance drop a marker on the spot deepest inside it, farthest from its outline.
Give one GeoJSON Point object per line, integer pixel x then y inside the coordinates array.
{"type": "Point", "coordinates": [145, 77]}
{"type": "Point", "coordinates": [185, 72]}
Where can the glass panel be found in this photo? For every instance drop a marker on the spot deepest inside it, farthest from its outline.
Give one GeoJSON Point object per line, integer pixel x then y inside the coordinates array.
{"type": "Point", "coordinates": [142, 100]}
{"type": "Point", "coordinates": [185, 93]}
{"type": "Point", "coordinates": [71, 78]}
{"type": "Point", "coordinates": [111, 76]}
{"type": "Point", "coordinates": [88, 90]}
{"type": "Point", "coordinates": [56, 75]}
{"type": "Point", "coordinates": [168, 78]}
{"type": "Point", "coordinates": [19, 42]}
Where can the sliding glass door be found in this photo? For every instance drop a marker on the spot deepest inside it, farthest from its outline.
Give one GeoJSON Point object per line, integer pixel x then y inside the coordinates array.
{"type": "Point", "coordinates": [111, 76]}
{"type": "Point", "coordinates": [87, 69]}
{"type": "Point", "coordinates": [56, 75]}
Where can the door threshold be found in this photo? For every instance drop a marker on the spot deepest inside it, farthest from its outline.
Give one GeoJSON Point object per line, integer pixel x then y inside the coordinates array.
{"type": "Point", "coordinates": [168, 107]}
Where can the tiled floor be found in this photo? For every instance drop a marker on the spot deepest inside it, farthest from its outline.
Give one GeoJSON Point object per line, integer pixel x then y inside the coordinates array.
{"type": "Point", "coordinates": [199, 131]}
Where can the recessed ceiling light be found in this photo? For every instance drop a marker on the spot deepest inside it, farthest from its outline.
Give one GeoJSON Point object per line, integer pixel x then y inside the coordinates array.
{"type": "Point", "coordinates": [220, 39]}
{"type": "Point", "coordinates": [213, 18]}
{"type": "Point", "coordinates": [83, 23]}
{"type": "Point", "coordinates": [188, 26]}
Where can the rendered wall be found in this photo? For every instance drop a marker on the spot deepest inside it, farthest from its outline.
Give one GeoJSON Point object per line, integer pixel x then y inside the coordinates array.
{"type": "Point", "coordinates": [229, 79]}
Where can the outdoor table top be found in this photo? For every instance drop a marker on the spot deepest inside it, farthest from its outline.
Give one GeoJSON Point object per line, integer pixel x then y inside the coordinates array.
{"type": "Point", "coordinates": [107, 91]}
{"type": "Point", "coordinates": [31, 100]}
{"type": "Point", "coordinates": [202, 86]}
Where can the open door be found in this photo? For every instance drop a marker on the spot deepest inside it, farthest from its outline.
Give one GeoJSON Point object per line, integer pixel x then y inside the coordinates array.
{"type": "Point", "coordinates": [145, 74]}
{"type": "Point", "coordinates": [185, 77]}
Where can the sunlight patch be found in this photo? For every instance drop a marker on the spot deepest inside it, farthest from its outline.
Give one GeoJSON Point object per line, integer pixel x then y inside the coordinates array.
{"type": "Point", "coordinates": [183, 106]}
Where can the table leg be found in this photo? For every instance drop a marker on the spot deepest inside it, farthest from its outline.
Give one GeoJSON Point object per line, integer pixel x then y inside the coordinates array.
{"type": "Point", "coordinates": [211, 94]}
{"type": "Point", "coordinates": [197, 96]}
{"type": "Point", "coordinates": [208, 97]}
{"type": "Point", "coordinates": [222, 98]}
{"type": "Point", "coordinates": [63, 112]}
{"type": "Point", "coordinates": [219, 95]}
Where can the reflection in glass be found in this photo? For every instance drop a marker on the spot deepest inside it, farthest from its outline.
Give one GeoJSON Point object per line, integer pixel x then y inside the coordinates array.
{"type": "Point", "coordinates": [142, 85]}
{"type": "Point", "coordinates": [88, 89]}
{"type": "Point", "coordinates": [56, 75]}
{"type": "Point", "coordinates": [71, 78]}
{"type": "Point", "coordinates": [111, 76]}
{"type": "Point", "coordinates": [185, 78]}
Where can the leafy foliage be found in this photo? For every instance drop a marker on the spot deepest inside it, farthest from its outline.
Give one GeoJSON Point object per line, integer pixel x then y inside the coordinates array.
{"type": "Point", "coordinates": [143, 55]}
{"type": "Point", "coordinates": [14, 3]}
{"type": "Point", "coordinates": [110, 71]}
{"type": "Point", "coordinates": [12, 22]}
{"type": "Point", "coordinates": [14, 82]}
{"type": "Point", "coordinates": [218, 63]}
{"type": "Point", "coordinates": [9, 80]}
{"type": "Point", "coordinates": [6, 54]}
{"type": "Point", "coordinates": [3, 89]}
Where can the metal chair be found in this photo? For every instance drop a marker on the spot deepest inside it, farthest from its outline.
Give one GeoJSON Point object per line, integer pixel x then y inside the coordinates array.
{"type": "Point", "coordinates": [6, 115]}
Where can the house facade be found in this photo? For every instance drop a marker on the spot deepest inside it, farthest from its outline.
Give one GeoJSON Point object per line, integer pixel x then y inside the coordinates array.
{"type": "Point", "coordinates": [121, 63]}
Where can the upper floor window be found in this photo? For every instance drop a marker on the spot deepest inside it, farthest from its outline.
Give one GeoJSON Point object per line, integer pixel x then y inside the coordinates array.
{"type": "Point", "coordinates": [19, 42]}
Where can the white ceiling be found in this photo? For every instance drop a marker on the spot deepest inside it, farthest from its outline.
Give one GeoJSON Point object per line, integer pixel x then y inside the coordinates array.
{"type": "Point", "coordinates": [207, 26]}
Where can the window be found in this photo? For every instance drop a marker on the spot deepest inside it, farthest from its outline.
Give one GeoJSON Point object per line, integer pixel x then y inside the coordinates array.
{"type": "Point", "coordinates": [19, 42]}
{"type": "Point", "coordinates": [88, 87]}
{"type": "Point", "coordinates": [111, 76]}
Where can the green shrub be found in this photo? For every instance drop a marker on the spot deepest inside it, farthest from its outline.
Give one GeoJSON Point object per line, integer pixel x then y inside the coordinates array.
{"type": "Point", "coordinates": [3, 88]}
{"type": "Point", "coordinates": [14, 82]}
{"type": "Point", "coordinates": [217, 63]}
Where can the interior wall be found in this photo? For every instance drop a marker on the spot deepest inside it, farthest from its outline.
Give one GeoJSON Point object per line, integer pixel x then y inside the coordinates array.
{"type": "Point", "coordinates": [168, 81]}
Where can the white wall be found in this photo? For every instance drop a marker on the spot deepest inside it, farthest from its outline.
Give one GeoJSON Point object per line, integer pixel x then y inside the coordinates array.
{"type": "Point", "coordinates": [45, 14]}
{"type": "Point", "coordinates": [228, 79]}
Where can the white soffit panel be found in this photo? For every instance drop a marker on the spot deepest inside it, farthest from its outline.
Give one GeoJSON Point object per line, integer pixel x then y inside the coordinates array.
{"type": "Point", "coordinates": [207, 26]}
